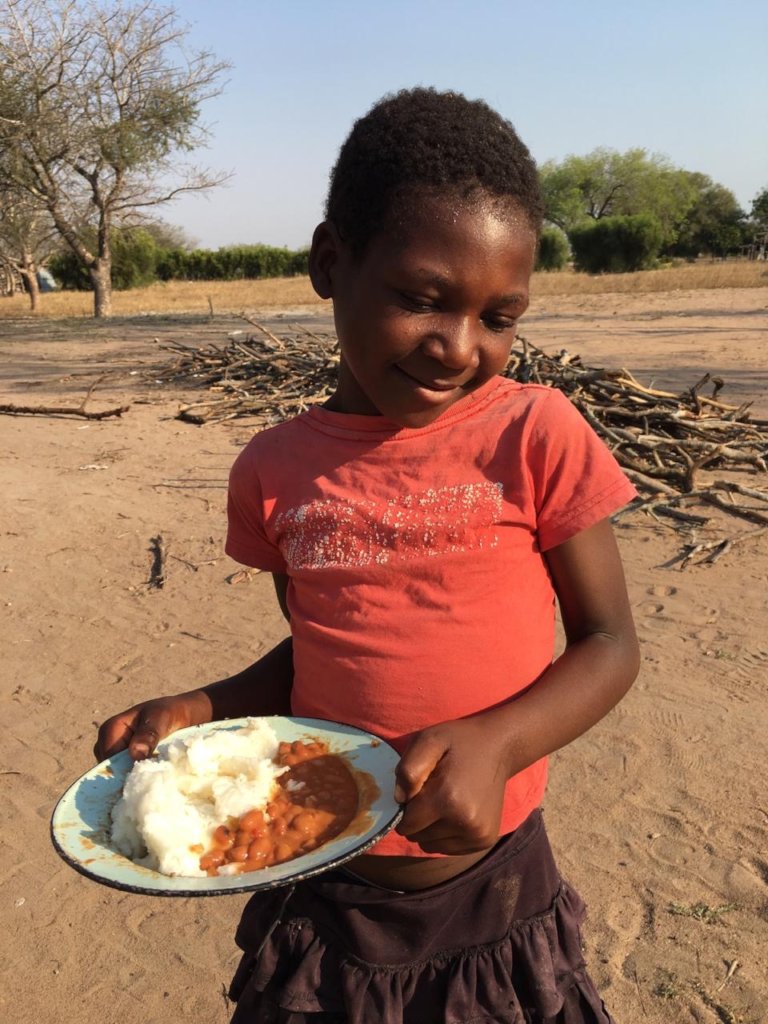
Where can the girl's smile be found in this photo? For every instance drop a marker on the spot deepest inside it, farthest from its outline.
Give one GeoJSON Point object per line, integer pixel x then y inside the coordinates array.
{"type": "Point", "coordinates": [429, 312]}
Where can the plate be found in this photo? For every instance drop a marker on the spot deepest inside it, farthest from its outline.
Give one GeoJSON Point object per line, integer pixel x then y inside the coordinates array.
{"type": "Point", "coordinates": [81, 822]}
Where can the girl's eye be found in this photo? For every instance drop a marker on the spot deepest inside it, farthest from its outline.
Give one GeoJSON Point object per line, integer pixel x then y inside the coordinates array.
{"type": "Point", "coordinates": [498, 326]}
{"type": "Point", "coordinates": [418, 304]}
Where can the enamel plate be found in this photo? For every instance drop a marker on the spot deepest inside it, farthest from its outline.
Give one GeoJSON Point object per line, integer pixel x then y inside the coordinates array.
{"type": "Point", "coordinates": [81, 822]}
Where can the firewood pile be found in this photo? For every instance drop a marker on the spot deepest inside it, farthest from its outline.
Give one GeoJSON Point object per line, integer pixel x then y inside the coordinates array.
{"type": "Point", "coordinates": [262, 375]}
{"type": "Point", "coordinates": [680, 450]}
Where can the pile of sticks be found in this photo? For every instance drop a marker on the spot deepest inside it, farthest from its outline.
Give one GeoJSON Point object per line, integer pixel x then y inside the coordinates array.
{"type": "Point", "coordinates": [262, 375]}
{"type": "Point", "coordinates": [674, 447]}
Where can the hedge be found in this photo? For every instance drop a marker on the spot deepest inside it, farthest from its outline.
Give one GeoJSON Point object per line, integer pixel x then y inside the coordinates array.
{"type": "Point", "coordinates": [616, 245]}
{"type": "Point", "coordinates": [137, 260]}
{"type": "Point", "coordinates": [554, 251]}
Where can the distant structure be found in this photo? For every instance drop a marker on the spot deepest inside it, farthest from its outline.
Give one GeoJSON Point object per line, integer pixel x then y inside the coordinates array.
{"type": "Point", "coordinates": [11, 280]}
{"type": "Point", "coordinates": [46, 281]}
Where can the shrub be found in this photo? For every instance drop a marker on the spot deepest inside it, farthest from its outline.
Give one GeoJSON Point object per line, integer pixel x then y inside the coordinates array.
{"type": "Point", "coordinates": [554, 251]}
{"type": "Point", "coordinates": [233, 263]}
{"type": "Point", "coordinates": [134, 262]}
{"type": "Point", "coordinates": [138, 260]}
{"type": "Point", "coordinates": [616, 245]}
{"type": "Point", "coordinates": [134, 257]}
{"type": "Point", "coordinates": [69, 272]}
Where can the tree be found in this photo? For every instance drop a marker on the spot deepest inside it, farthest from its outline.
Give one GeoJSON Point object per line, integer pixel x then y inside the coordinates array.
{"type": "Point", "coordinates": [168, 236]}
{"type": "Point", "coordinates": [714, 224]}
{"type": "Point", "coordinates": [605, 183]}
{"type": "Point", "coordinates": [97, 105]}
{"type": "Point", "coordinates": [27, 239]}
{"type": "Point", "coordinates": [758, 214]}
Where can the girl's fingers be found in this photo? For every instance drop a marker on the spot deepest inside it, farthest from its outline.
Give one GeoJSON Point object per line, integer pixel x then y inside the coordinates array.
{"type": "Point", "coordinates": [137, 730]}
{"type": "Point", "coordinates": [152, 725]}
{"type": "Point", "coordinates": [439, 835]}
{"type": "Point", "coordinates": [416, 765]}
{"type": "Point", "coordinates": [455, 846]}
{"type": "Point", "coordinates": [417, 820]}
{"type": "Point", "coordinates": [114, 735]}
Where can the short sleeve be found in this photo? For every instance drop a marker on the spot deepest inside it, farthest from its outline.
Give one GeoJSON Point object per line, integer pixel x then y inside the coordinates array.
{"type": "Point", "coordinates": [576, 480]}
{"type": "Point", "coordinates": [247, 539]}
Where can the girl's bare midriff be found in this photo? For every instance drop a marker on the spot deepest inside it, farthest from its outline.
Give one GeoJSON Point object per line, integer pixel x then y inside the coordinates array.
{"type": "Point", "coordinates": [411, 873]}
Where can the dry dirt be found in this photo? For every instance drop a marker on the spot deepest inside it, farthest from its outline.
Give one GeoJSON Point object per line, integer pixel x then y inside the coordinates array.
{"type": "Point", "coordinates": [658, 815]}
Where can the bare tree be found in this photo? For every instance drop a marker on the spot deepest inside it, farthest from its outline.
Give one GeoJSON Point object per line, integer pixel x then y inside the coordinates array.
{"type": "Point", "coordinates": [98, 103]}
{"type": "Point", "coordinates": [28, 238]}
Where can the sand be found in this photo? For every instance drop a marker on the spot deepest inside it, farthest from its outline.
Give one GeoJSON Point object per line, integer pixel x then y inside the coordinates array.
{"type": "Point", "coordinates": [658, 815]}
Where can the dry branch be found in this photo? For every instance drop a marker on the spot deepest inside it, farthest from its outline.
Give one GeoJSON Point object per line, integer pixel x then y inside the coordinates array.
{"type": "Point", "coordinates": [10, 409]}
{"type": "Point", "coordinates": [60, 410]}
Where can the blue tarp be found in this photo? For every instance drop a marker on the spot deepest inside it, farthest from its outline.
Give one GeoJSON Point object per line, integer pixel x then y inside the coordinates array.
{"type": "Point", "coordinates": [46, 281]}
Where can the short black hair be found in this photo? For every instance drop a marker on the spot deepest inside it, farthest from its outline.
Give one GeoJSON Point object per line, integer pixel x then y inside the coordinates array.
{"type": "Point", "coordinates": [421, 142]}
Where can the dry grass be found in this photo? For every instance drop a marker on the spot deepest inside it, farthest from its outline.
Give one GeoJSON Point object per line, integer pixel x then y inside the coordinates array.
{"type": "Point", "coordinates": [689, 276]}
{"type": "Point", "coordinates": [176, 297]}
{"type": "Point", "coordinates": [236, 296]}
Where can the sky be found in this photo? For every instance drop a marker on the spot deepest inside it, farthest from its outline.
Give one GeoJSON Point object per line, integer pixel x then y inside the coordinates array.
{"type": "Point", "coordinates": [683, 79]}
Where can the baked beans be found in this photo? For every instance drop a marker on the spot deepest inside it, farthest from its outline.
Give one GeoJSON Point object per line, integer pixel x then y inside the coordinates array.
{"type": "Point", "coordinates": [317, 799]}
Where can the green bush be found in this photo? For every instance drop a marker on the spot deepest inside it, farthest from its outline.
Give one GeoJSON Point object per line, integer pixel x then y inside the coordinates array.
{"type": "Point", "coordinates": [617, 245]}
{"type": "Point", "coordinates": [170, 264]}
{"type": "Point", "coordinates": [134, 262]}
{"type": "Point", "coordinates": [233, 263]}
{"type": "Point", "coordinates": [69, 272]}
{"type": "Point", "coordinates": [134, 259]}
{"type": "Point", "coordinates": [554, 251]}
{"type": "Point", "coordinates": [138, 260]}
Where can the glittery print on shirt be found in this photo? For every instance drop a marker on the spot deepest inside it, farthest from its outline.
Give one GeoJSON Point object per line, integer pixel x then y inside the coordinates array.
{"type": "Point", "coordinates": [337, 532]}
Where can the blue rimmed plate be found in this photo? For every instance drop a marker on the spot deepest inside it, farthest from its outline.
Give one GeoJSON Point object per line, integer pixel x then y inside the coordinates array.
{"type": "Point", "coordinates": [81, 822]}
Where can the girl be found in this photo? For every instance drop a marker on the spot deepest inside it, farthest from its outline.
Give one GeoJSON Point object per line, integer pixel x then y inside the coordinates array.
{"type": "Point", "coordinates": [419, 526]}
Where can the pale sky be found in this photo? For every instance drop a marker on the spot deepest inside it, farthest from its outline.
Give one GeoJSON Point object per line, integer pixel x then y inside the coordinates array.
{"type": "Point", "coordinates": [682, 78]}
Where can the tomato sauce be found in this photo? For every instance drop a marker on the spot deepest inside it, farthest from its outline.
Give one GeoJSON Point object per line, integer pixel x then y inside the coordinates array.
{"type": "Point", "coordinates": [317, 799]}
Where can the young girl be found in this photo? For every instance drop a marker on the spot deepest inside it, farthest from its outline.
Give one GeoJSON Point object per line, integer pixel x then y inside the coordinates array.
{"type": "Point", "coordinates": [419, 526]}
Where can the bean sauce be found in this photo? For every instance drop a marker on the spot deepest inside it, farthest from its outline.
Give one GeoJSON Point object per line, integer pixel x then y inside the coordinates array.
{"type": "Point", "coordinates": [317, 798]}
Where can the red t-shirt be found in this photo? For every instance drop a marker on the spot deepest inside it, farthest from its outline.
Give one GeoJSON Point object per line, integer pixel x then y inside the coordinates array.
{"type": "Point", "coordinates": [417, 589]}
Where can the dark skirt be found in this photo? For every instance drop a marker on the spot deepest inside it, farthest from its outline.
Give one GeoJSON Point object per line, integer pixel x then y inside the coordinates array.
{"type": "Point", "coordinates": [498, 944]}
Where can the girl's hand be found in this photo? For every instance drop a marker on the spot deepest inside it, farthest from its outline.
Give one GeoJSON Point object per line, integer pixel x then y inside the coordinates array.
{"type": "Point", "coordinates": [140, 728]}
{"type": "Point", "coordinates": [451, 779]}
{"type": "Point", "coordinates": [263, 688]}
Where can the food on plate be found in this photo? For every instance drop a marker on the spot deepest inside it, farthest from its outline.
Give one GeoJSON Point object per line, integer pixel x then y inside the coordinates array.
{"type": "Point", "coordinates": [316, 799]}
{"type": "Point", "coordinates": [232, 800]}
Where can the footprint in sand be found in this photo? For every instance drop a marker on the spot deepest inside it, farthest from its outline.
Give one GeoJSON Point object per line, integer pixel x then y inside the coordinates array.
{"type": "Point", "coordinates": [760, 869]}
{"type": "Point", "coordinates": [144, 923]}
{"type": "Point", "coordinates": [751, 666]}
{"type": "Point", "coordinates": [661, 590]}
{"type": "Point", "coordinates": [651, 607]}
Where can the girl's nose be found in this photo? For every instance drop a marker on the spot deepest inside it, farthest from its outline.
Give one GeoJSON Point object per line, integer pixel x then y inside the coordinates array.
{"type": "Point", "coordinates": [455, 345]}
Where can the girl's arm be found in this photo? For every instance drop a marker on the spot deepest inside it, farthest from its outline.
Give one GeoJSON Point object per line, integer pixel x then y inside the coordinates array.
{"type": "Point", "coordinates": [453, 775]}
{"type": "Point", "coordinates": [264, 688]}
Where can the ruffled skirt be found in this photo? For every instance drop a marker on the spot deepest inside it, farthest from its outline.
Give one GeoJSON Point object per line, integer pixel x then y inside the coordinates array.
{"type": "Point", "coordinates": [499, 944]}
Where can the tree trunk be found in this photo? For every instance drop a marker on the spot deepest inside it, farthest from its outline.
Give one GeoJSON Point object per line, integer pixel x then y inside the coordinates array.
{"type": "Point", "coordinates": [33, 288]}
{"type": "Point", "coordinates": [101, 278]}
{"type": "Point", "coordinates": [9, 280]}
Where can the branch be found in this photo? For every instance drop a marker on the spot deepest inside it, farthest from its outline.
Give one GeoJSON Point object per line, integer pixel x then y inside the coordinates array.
{"type": "Point", "coordinates": [608, 200]}
{"type": "Point", "coordinates": [59, 410]}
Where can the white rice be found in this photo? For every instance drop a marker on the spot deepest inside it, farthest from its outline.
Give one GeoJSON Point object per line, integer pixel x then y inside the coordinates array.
{"type": "Point", "coordinates": [174, 801]}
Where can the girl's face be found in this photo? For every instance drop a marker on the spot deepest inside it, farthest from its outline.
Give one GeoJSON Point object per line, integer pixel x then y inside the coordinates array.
{"type": "Point", "coordinates": [430, 311]}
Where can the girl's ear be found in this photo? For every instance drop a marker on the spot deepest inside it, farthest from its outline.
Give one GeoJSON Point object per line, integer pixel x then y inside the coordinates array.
{"type": "Point", "coordinates": [323, 257]}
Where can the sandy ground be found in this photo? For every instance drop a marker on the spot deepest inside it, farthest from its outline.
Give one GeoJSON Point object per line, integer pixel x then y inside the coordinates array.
{"type": "Point", "coordinates": [658, 815]}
